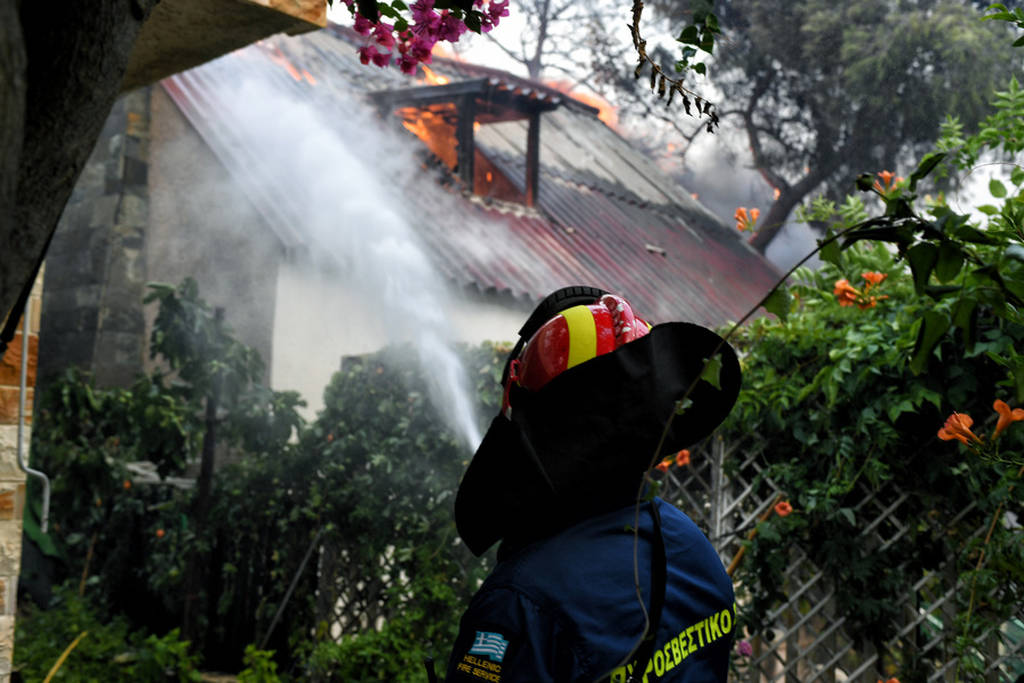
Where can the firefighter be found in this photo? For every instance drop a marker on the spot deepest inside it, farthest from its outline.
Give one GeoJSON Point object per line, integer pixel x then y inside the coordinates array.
{"type": "Point", "coordinates": [557, 479]}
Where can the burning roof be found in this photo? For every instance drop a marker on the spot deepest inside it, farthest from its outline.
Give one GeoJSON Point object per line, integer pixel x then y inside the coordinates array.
{"type": "Point", "coordinates": [603, 213]}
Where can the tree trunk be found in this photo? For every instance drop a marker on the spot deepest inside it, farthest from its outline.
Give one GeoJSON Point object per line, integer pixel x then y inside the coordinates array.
{"type": "Point", "coordinates": [789, 197]}
{"type": "Point", "coordinates": [194, 571]}
{"type": "Point", "coordinates": [534, 65]}
{"type": "Point", "coordinates": [12, 112]}
{"type": "Point", "coordinates": [76, 58]}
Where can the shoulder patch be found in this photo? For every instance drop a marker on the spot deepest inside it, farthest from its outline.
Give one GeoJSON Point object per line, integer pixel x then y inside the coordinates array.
{"type": "Point", "coordinates": [482, 662]}
{"type": "Point", "coordinates": [489, 644]}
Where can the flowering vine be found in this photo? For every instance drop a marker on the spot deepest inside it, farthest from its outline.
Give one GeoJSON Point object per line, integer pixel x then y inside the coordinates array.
{"type": "Point", "coordinates": [958, 427]}
{"type": "Point", "coordinates": [746, 218]}
{"type": "Point", "coordinates": [848, 295]}
{"type": "Point", "coordinates": [889, 181]}
{"type": "Point", "coordinates": [414, 30]}
{"type": "Point", "coordinates": [680, 459]}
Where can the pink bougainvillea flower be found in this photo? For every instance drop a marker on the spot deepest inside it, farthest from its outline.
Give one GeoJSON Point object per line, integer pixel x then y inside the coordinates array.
{"type": "Point", "coordinates": [683, 458]}
{"type": "Point", "coordinates": [1006, 416]}
{"type": "Point", "coordinates": [362, 25]}
{"type": "Point", "coordinates": [420, 47]}
{"type": "Point", "coordinates": [451, 28]}
{"type": "Point", "coordinates": [422, 10]}
{"type": "Point", "coordinates": [366, 53]}
{"type": "Point", "coordinates": [663, 465]}
{"type": "Point", "coordinates": [413, 46]}
{"type": "Point", "coordinates": [783, 508]}
{"type": "Point", "coordinates": [407, 64]}
{"type": "Point", "coordinates": [383, 34]}
{"type": "Point", "coordinates": [497, 10]}
{"type": "Point", "coordinates": [744, 648]}
{"type": "Point", "coordinates": [958, 426]}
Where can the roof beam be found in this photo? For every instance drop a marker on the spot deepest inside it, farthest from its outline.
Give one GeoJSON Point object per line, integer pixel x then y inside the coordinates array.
{"type": "Point", "coordinates": [428, 94]}
{"type": "Point", "coordinates": [489, 93]}
{"type": "Point", "coordinates": [464, 139]}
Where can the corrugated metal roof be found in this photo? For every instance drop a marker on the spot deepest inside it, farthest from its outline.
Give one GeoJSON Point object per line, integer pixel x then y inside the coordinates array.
{"type": "Point", "coordinates": [605, 215]}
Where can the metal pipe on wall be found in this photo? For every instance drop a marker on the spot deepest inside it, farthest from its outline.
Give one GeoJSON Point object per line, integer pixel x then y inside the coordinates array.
{"type": "Point", "coordinates": [26, 323]}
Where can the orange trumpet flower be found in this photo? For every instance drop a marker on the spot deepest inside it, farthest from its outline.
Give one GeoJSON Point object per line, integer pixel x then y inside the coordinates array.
{"type": "Point", "coordinates": [1006, 416]}
{"type": "Point", "coordinates": [958, 426]}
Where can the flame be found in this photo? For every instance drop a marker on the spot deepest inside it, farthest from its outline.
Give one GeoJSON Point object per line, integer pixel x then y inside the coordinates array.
{"type": "Point", "coordinates": [476, 126]}
{"type": "Point", "coordinates": [432, 78]}
{"type": "Point", "coordinates": [278, 58]}
{"type": "Point", "coordinates": [776, 192]}
{"type": "Point", "coordinates": [417, 128]}
{"type": "Point", "coordinates": [605, 111]}
{"type": "Point", "coordinates": [444, 51]}
{"type": "Point", "coordinates": [433, 125]}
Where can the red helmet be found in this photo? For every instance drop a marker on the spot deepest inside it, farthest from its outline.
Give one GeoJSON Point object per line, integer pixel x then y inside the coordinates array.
{"type": "Point", "coordinates": [573, 335]}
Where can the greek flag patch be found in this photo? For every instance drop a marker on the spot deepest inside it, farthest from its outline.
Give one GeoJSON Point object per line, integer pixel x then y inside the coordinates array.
{"type": "Point", "coordinates": [493, 645]}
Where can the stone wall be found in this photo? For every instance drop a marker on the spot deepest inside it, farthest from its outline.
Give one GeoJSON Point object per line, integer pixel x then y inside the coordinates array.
{"type": "Point", "coordinates": [153, 204]}
{"type": "Point", "coordinates": [12, 479]}
{"type": "Point", "coordinates": [92, 312]}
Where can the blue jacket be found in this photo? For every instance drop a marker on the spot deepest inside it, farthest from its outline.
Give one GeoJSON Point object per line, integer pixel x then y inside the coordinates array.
{"type": "Point", "coordinates": [564, 609]}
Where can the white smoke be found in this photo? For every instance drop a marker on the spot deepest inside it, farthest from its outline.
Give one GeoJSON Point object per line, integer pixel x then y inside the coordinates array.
{"type": "Point", "coordinates": [353, 177]}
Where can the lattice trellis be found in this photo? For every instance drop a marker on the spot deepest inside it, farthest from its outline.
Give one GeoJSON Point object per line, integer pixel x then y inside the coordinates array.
{"type": "Point", "coordinates": [808, 641]}
{"type": "Point", "coordinates": [350, 600]}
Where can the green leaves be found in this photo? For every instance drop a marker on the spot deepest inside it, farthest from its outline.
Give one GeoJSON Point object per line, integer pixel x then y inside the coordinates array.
{"type": "Point", "coordinates": [701, 33]}
{"type": "Point", "coordinates": [712, 372]}
{"type": "Point", "coordinates": [950, 261]}
{"type": "Point", "coordinates": [927, 165]}
{"type": "Point", "coordinates": [934, 325]}
{"type": "Point", "coordinates": [690, 36]}
{"type": "Point", "coordinates": [828, 249]}
{"type": "Point", "coordinates": [778, 302]}
{"type": "Point", "coordinates": [996, 188]}
{"type": "Point", "coordinates": [922, 259]}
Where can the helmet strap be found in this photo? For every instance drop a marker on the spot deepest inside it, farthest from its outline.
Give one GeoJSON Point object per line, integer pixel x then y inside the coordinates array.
{"type": "Point", "coordinates": [513, 376]}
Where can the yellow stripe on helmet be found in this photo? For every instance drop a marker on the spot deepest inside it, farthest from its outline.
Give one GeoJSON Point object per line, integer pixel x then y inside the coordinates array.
{"type": "Point", "coordinates": [582, 335]}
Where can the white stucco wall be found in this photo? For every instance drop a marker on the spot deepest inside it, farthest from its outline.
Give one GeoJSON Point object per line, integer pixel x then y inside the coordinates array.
{"type": "Point", "coordinates": [318, 320]}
